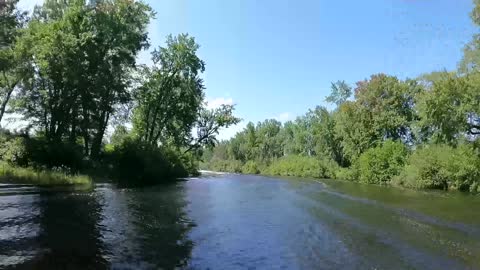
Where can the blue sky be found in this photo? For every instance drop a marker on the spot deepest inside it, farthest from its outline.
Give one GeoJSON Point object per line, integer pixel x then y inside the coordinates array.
{"type": "Point", "coordinates": [276, 59]}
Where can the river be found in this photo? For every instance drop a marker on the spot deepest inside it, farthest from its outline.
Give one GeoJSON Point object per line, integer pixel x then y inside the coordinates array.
{"type": "Point", "coordinates": [239, 222]}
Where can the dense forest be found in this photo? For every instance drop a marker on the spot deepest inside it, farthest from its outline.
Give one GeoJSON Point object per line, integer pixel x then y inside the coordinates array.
{"type": "Point", "coordinates": [418, 133]}
{"type": "Point", "coordinates": [70, 71]}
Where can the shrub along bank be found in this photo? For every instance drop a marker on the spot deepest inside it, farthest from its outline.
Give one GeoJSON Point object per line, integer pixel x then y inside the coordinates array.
{"type": "Point", "coordinates": [434, 166]}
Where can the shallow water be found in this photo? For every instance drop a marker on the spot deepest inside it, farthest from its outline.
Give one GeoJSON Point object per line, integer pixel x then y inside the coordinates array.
{"type": "Point", "coordinates": [239, 222]}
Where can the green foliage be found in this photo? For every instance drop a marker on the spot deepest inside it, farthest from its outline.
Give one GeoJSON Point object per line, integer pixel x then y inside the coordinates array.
{"type": "Point", "coordinates": [13, 149]}
{"type": "Point", "coordinates": [22, 150]}
{"type": "Point", "coordinates": [12, 65]}
{"type": "Point", "coordinates": [390, 105]}
{"type": "Point", "coordinates": [380, 164]}
{"type": "Point", "coordinates": [325, 140]}
{"type": "Point", "coordinates": [354, 130]}
{"type": "Point", "coordinates": [234, 166]}
{"type": "Point", "coordinates": [169, 99]}
{"type": "Point", "coordinates": [9, 22]}
{"type": "Point", "coordinates": [442, 167]}
{"type": "Point", "coordinates": [72, 71]}
{"type": "Point", "coordinates": [383, 109]}
{"type": "Point", "coordinates": [349, 174]}
{"type": "Point", "coordinates": [80, 64]}
{"type": "Point", "coordinates": [341, 91]}
{"type": "Point", "coordinates": [119, 135]}
{"type": "Point", "coordinates": [62, 155]}
{"type": "Point", "coordinates": [250, 167]}
{"type": "Point", "coordinates": [301, 166]}
{"type": "Point", "coordinates": [209, 123]}
{"type": "Point", "coordinates": [450, 109]}
{"type": "Point", "coordinates": [370, 136]}
{"type": "Point", "coordinates": [471, 58]}
{"type": "Point", "coordinates": [138, 163]}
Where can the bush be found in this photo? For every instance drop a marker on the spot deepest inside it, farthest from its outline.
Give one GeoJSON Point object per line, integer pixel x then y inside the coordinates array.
{"type": "Point", "coordinates": [189, 161]}
{"type": "Point", "coordinates": [219, 165]}
{"type": "Point", "coordinates": [250, 167]}
{"type": "Point", "coordinates": [301, 166]}
{"type": "Point", "coordinates": [24, 151]}
{"type": "Point", "coordinates": [380, 164]}
{"type": "Point", "coordinates": [350, 174]}
{"type": "Point", "coordinates": [55, 155]}
{"type": "Point", "coordinates": [138, 163]}
{"type": "Point", "coordinates": [14, 151]}
{"type": "Point", "coordinates": [442, 167]}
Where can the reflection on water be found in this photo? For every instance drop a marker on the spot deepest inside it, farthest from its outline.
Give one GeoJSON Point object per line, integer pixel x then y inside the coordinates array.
{"type": "Point", "coordinates": [68, 236]}
{"type": "Point", "coordinates": [238, 222]}
{"type": "Point", "coordinates": [147, 228]}
{"type": "Point", "coordinates": [108, 228]}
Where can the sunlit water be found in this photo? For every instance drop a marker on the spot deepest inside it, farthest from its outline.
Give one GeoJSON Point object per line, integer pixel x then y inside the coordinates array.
{"type": "Point", "coordinates": [239, 222]}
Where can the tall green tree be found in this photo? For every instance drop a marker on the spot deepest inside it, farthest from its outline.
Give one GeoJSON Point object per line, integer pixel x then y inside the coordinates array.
{"type": "Point", "coordinates": [384, 108]}
{"type": "Point", "coordinates": [12, 66]}
{"type": "Point", "coordinates": [471, 52]}
{"type": "Point", "coordinates": [326, 143]}
{"type": "Point", "coordinates": [208, 125]}
{"type": "Point", "coordinates": [82, 55]}
{"type": "Point", "coordinates": [390, 103]}
{"type": "Point", "coordinates": [354, 129]}
{"type": "Point", "coordinates": [269, 144]}
{"type": "Point", "coordinates": [168, 103]}
{"type": "Point", "coordinates": [450, 109]}
{"type": "Point", "coordinates": [287, 138]}
{"type": "Point", "coordinates": [340, 92]}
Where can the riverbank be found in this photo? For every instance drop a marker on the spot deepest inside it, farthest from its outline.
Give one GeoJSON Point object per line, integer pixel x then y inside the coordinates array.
{"type": "Point", "coordinates": [19, 175]}
{"type": "Point", "coordinates": [422, 176]}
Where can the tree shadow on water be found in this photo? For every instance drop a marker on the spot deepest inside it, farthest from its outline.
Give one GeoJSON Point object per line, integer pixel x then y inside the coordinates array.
{"type": "Point", "coordinates": [162, 225]}
{"type": "Point", "coordinates": [69, 237]}
{"type": "Point", "coordinates": [110, 228]}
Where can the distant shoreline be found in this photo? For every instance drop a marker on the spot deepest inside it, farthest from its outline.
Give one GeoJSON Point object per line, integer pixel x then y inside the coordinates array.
{"type": "Point", "coordinates": [211, 172]}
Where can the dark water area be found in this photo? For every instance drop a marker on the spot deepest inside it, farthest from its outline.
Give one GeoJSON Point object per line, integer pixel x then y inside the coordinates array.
{"type": "Point", "coordinates": [239, 222]}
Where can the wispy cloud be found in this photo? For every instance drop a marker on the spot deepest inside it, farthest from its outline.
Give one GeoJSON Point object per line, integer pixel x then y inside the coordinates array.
{"type": "Point", "coordinates": [214, 103]}
{"type": "Point", "coordinates": [284, 117]}
{"type": "Point", "coordinates": [229, 132]}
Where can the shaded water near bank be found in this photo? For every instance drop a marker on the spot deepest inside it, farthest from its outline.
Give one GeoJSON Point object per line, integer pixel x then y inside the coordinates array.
{"type": "Point", "coordinates": [239, 222]}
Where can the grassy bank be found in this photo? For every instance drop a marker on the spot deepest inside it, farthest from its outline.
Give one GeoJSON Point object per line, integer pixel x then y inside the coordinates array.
{"type": "Point", "coordinates": [19, 175]}
{"type": "Point", "coordinates": [129, 162]}
{"type": "Point", "coordinates": [434, 167]}
{"type": "Point", "coordinates": [296, 166]}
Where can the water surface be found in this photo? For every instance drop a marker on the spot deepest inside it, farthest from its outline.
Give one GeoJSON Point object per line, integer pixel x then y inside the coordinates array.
{"type": "Point", "coordinates": [239, 222]}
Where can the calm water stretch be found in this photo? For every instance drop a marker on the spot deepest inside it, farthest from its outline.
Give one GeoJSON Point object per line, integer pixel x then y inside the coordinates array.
{"type": "Point", "coordinates": [239, 222]}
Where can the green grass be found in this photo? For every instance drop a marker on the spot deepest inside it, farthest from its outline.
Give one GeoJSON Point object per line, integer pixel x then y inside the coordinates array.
{"type": "Point", "coordinates": [20, 175]}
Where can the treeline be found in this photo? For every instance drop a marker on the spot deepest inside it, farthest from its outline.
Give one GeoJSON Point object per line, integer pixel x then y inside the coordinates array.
{"type": "Point", "coordinates": [69, 70]}
{"type": "Point", "coordinates": [418, 133]}
{"type": "Point", "coordinates": [415, 133]}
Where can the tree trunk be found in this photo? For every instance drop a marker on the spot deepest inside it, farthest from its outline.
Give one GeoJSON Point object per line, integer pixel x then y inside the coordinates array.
{"type": "Point", "coordinates": [10, 89]}
{"type": "Point", "coordinates": [97, 140]}
{"type": "Point", "coordinates": [4, 103]}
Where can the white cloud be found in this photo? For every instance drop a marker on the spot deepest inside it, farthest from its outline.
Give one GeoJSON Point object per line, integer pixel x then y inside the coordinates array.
{"type": "Point", "coordinates": [28, 5]}
{"type": "Point", "coordinates": [217, 102]}
{"type": "Point", "coordinates": [229, 132]}
{"type": "Point", "coordinates": [284, 117]}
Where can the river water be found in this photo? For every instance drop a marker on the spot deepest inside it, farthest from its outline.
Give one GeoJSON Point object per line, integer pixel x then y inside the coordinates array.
{"type": "Point", "coordinates": [239, 222]}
